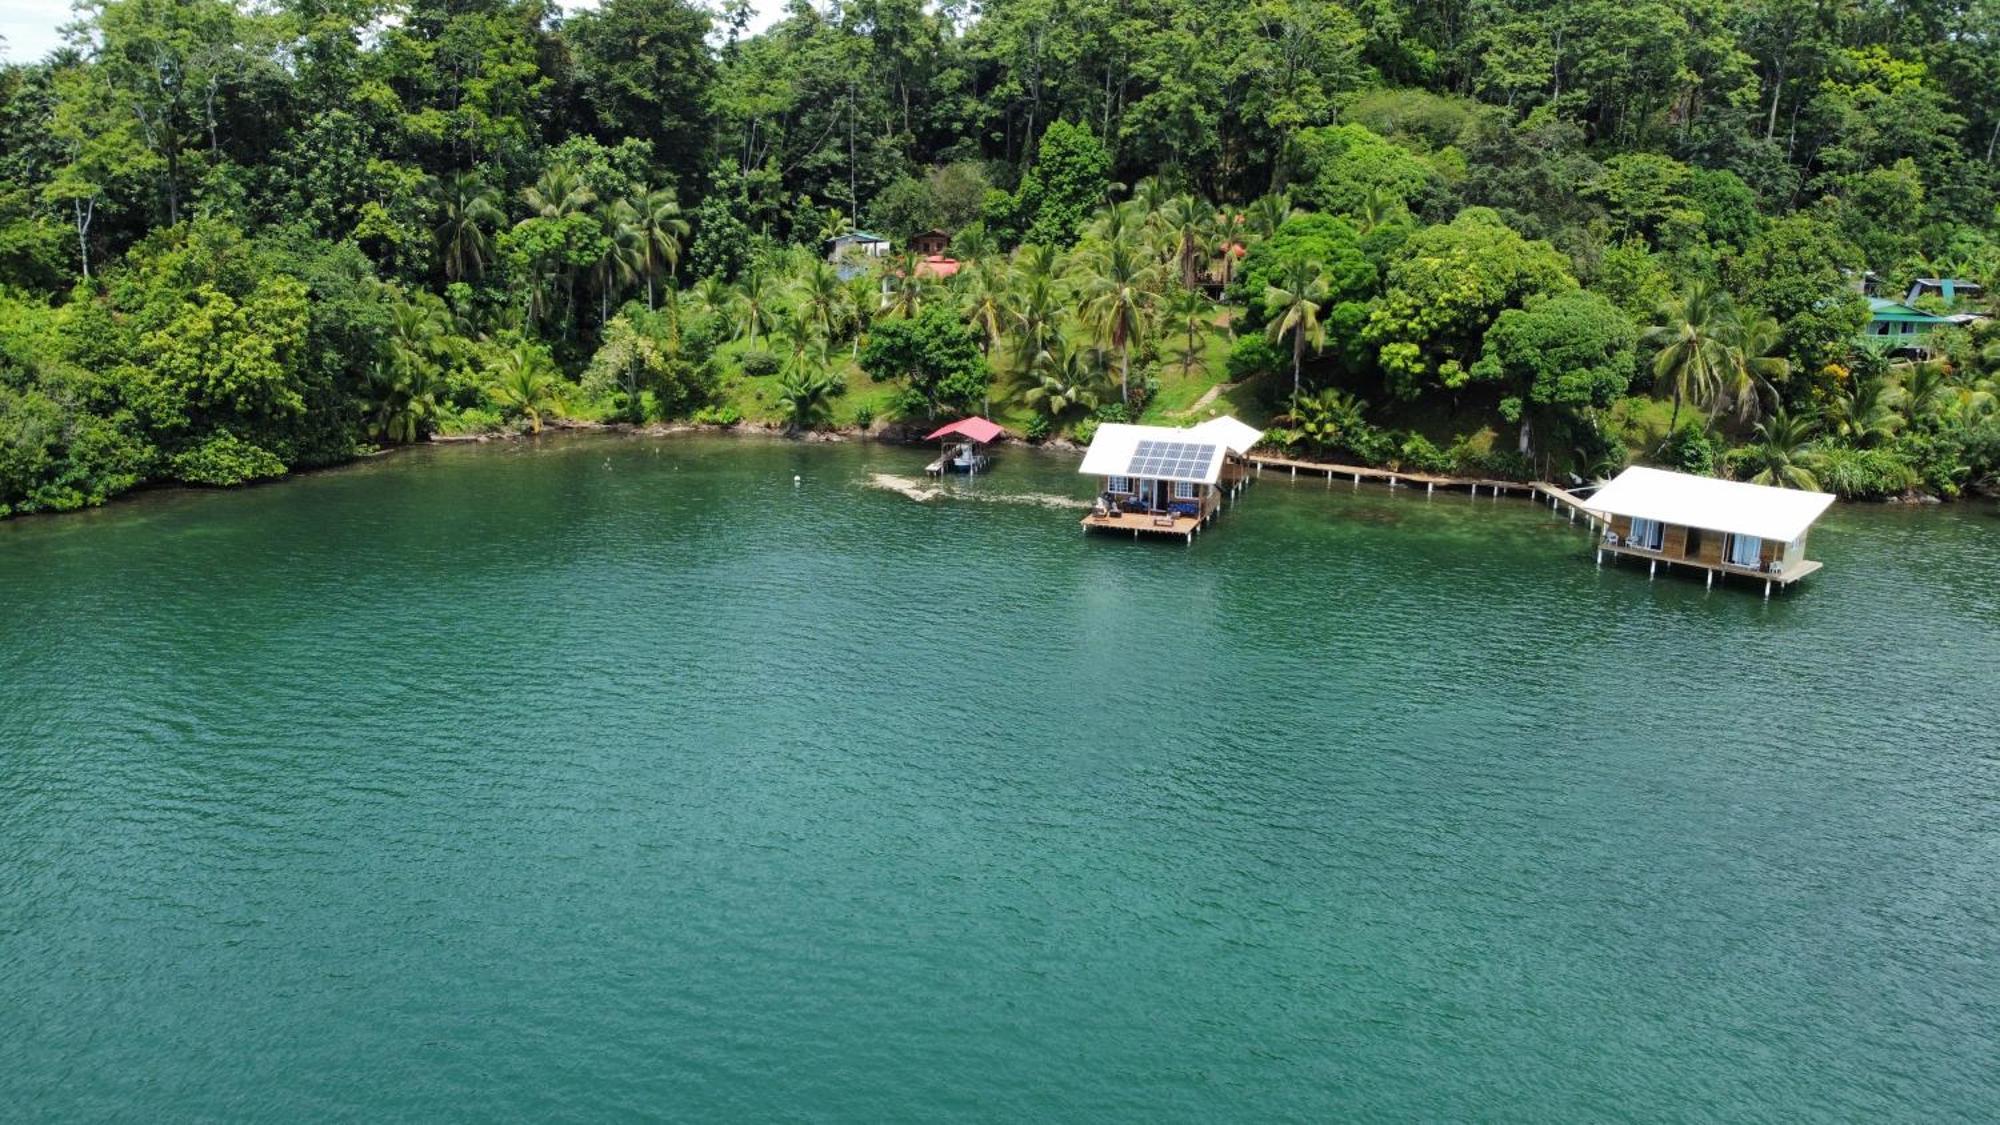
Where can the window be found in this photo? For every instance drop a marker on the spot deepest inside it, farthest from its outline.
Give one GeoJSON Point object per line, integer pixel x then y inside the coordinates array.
{"type": "Point", "coordinates": [1121, 486]}
{"type": "Point", "coordinates": [1744, 550]}
{"type": "Point", "coordinates": [1183, 490]}
{"type": "Point", "coordinates": [1647, 534]}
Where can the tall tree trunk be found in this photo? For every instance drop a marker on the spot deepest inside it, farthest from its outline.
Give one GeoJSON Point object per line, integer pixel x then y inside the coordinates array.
{"type": "Point", "coordinates": [1298, 360]}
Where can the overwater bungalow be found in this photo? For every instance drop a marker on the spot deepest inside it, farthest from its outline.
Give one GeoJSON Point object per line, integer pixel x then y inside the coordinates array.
{"type": "Point", "coordinates": [965, 446]}
{"type": "Point", "coordinates": [1156, 480]}
{"type": "Point", "coordinates": [1723, 527]}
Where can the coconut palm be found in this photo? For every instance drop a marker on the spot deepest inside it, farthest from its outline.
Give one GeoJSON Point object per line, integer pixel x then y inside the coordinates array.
{"type": "Point", "coordinates": [559, 192]}
{"type": "Point", "coordinates": [1068, 378]}
{"type": "Point", "coordinates": [822, 299]}
{"type": "Point", "coordinates": [1267, 213]}
{"type": "Point", "coordinates": [987, 298]}
{"type": "Point", "coordinates": [1226, 231]}
{"type": "Point", "coordinates": [1863, 416]}
{"type": "Point", "coordinates": [405, 400]}
{"type": "Point", "coordinates": [620, 262]}
{"type": "Point", "coordinates": [711, 296]}
{"type": "Point", "coordinates": [1754, 371]}
{"type": "Point", "coordinates": [1036, 311]}
{"type": "Point", "coordinates": [974, 244]}
{"type": "Point", "coordinates": [1294, 302]}
{"type": "Point", "coordinates": [525, 382]}
{"type": "Point", "coordinates": [907, 287]}
{"type": "Point", "coordinates": [471, 211]}
{"type": "Point", "coordinates": [1781, 453]}
{"type": "Point", "coordinates": [756, 304]}
{"type": "Point", "coordinates": [1185, 221]}
{"type": "Point", "coordinates": [808, 397]}
{"type": "Point", "coordinates": [1696, 346]}
{"type": "Point", "coordinates": [1922, 392]}
{"type": "Point", "coordinates": [1118, 301]}
{"type": "Point", "coordinates": [654, 216]}
{"type": "Point", "coordinates": [1191, 313]}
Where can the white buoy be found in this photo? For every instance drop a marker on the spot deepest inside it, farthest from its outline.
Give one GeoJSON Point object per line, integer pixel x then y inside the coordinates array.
{"type": "Point", "coordinates": [795, 480]}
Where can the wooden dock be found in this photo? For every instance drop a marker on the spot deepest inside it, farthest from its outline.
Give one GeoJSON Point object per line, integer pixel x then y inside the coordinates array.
{"type": "Point", "coordinates": [1181, 527]}
{"type": "Point", "coordinates": [1394, 478]}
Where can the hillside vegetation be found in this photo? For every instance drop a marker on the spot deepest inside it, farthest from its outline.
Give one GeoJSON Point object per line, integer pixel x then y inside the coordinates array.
{"type": "Point", "coordinates": [1508, 237]}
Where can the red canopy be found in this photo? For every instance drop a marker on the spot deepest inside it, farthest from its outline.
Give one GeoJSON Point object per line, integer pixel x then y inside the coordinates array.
{"type": "Point", "coordinates": [978, 429]}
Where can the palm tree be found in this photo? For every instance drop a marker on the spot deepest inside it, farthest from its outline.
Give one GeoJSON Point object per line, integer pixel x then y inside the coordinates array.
{"type": "Point", "coordinates": [756, 304]}
{"type": "Point", "coordinates": [1863, 416]}
{"type": "Point", "coordinates": [974, 244]}
{"type": "Point", "coordinates": [525, 381]}
{"type": "Point", "coordinates": [906, 289]}
{"type": "Point", "coordinates": [1068, 378]}
{"type": "Point", "coordinates": [654, 216]}
{"type": "Point", "coordinates": [799, 336]}
{"type": "Point", "coordinates": [559, 192]}
{"type": "Point", "coordinates": [1036, 311]}
{"type": "Point", "coordinates": [1294, 307]}
{"type": "Point", "coordinates": [1267, 213]}
{"type": "Point", "coordinates": [1754, 372]}
{"type": "Point", "coordinates": [1226, 231]}
{"type": "Point", "coordinates": [1327, 418]}
{"type": "Point", "coordinates": [471, 211]}
{"type": "Point", "coordinates": [712, 296]}
{"type": "Point", "coordinates": [1781, 454]}
{"type": "Point", "coordinates": [619, 263]}
{"type": "Point", "coordinates": [1697, 351]}
{"type": "Point", "coordinates": [1191, 312]}
{"type": "Point", "coordinates": [1186, 221]}
{"type": "Point", "coordinates": [987, 300]}
{"type": "Point", "coordinates": [1118, 302]}
{"type": "Point", "coordinates": [822, 299]}
{"type": "Point", "coordinates": [808, 397]}
{"type": "Point", "coordinates": [1923, 391]}
{"type": "Point", "coordinates": [406, 400]}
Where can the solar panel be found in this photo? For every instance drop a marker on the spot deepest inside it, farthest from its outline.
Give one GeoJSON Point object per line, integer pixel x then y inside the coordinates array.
{"type": "Point", "coordinates": [1171, 460]}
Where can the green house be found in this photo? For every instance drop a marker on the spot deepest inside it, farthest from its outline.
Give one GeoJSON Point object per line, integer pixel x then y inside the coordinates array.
{"type": "Point", "coordinates": [1892, 321]}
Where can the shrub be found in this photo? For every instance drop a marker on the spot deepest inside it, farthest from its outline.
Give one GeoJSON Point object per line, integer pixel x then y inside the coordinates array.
{"type": "Point", "coordinates": [1039, 428]}
{"type": "Point", "coordinates": [1862, 473]}
{"type": "Point", "coordinates": [1938, 460]}
{"type": "Point", "coordinates": [864, 416]}
{"type": "Point", "coordinates": [1691, 450]}
{"type": "Point", "coordinates": [1251, 356]}
{"type": "Point", "coordinates": [759, 363]}
{"type": "Point", "coordinates": [223, 460]}
{"type": "Point", "coordinates": [722, 414]}
{"type": "Point", "coordinates": [1468, 460]}
{"type": "Point", "coordinates": [1083, 431]}
{"type": "Point", "coordinates": [1419, 454]}
{"type": "Point", "coordinates": [1112, 412]}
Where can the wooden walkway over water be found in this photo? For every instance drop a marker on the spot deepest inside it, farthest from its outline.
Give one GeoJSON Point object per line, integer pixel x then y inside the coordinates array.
{"type": "Point", "coordinates": [1558, 498]}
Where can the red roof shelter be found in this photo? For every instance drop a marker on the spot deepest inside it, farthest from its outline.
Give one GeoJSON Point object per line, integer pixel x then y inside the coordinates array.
{"type": "Point", "coordinates": [976, 428]}
{"type": "Point", "coordinates": [964, 450]}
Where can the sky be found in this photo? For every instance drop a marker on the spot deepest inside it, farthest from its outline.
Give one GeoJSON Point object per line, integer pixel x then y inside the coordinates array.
{"type": "Point", "coordinates": [31, 27]}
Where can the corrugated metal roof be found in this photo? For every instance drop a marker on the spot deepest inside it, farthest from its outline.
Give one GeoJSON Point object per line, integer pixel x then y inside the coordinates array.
{"type": "Point", "coordinates": [1116, 445]}
{"type": "Point", "coordinates": [1782, 514]}
{"type": "Point", "coordinates": [1238, 436]}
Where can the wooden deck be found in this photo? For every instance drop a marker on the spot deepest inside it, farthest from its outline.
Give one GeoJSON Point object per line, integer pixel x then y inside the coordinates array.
{"type": "Point", "coordinates": [1803, 568]}
{"type": "Point", "coordinates": [1140, 523]}
{"type": "Point", "coordinates": [1392, 477]}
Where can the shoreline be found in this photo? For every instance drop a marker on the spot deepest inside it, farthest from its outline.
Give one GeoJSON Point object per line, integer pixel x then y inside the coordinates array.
{"type": "Point", "coordinates": [888, 433]}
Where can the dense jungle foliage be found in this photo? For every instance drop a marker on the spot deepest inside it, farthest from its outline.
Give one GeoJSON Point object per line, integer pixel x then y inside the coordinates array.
{"type": "Point", "coordinates": [1510, 236]}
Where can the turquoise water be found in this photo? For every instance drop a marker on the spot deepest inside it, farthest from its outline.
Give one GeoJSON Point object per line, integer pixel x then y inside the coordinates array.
{"type": "Point", "coordinates": [610, 777]}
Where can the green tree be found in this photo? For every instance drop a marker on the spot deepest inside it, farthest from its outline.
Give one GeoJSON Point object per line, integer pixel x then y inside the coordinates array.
{"type": "Point", "coordinates": [524, 382]}
{"type": "Point", "coordinates": [1293, 307]}
{"type": "Point", "coordinates": [1695, 346]}
{"type": "Point", "coordinates": [1558, 359]}
{"type": "Point", "coordinates": [934, 353]}
{"type": "Point", "coordinates": [1446, 288]}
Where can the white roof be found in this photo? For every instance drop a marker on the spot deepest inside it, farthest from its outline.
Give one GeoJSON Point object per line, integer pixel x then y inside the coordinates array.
{"type": "Point", "coordinates": [1237, 436]}
{"type": "Point", "coordinates": [1153, 452]}
{"type": "Point", "coordinates": [1782, 514]}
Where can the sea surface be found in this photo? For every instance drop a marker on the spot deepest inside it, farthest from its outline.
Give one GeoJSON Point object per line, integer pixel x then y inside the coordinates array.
{"type": "Point", "coordinates": [749, 780]}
